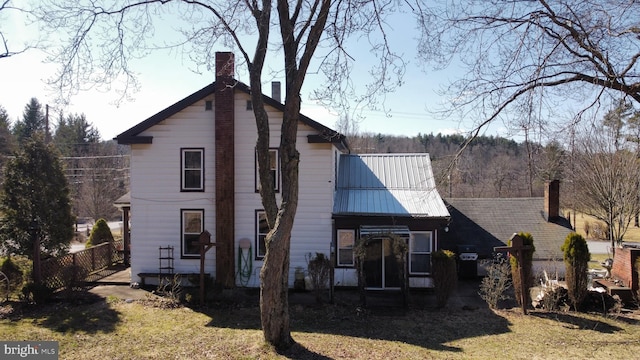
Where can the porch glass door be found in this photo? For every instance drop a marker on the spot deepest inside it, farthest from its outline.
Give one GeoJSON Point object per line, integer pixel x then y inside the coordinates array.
{"type": "Point", "coordinates": [380, 265]}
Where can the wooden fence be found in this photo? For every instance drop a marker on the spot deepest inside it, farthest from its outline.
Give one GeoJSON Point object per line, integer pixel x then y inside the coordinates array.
{"type": "Point", "coordinates": [80, 266]}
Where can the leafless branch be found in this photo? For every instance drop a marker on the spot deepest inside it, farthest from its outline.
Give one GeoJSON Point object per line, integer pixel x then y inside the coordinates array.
{"type": "Point", "coordinates": [7, 51]}
{"type": "Point", "coordinates": [510, 49]}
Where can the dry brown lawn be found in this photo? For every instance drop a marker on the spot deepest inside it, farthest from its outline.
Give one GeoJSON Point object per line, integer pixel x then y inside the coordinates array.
{"type": "Point", "coordinates": [633, 233]}
{"type": "Point", "coordinates": [115, 329]}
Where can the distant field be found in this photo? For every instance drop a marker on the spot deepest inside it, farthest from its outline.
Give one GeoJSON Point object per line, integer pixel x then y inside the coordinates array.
{"type": "Point", "coordinates": [633, 233]}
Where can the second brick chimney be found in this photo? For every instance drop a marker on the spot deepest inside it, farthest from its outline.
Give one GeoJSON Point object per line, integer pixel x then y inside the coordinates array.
{"type": "Point", "coordinates": [552, 200]}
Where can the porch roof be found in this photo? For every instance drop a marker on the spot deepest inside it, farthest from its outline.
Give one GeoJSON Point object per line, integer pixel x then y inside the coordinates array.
{"type": "Point", "coordinates": [123, 201]}
{"type": "Point", "coordinates": [387, 185]}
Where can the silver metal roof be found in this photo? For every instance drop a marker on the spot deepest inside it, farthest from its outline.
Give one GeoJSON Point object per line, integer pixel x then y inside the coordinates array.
{"type": "Point", "coordinates": [387, 184]}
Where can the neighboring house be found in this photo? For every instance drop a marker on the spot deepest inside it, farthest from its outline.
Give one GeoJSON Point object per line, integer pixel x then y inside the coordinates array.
{"type": "Point", "coordinates": [193, 168]}
{"type": "Point", "coordinates": [484, 223]}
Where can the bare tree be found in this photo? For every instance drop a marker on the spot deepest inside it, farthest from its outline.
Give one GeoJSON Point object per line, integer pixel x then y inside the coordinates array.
{"type": "Point", "coordinates": [123, 32]}
{"type": "Point", "coordinates": [606, 179]}
{"type": "Point", "coordinates": [7, 49]}
{"type": "Point", "coordinates": [553, 162]}
{"type": "Point", "coordinates": [100, 183]}
{"type": "Point", "coordinates": [564, 53]}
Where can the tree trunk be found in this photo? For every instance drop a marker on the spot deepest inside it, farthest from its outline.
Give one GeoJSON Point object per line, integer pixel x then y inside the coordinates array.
{"type": "Point", "coordinates": [274, 283]}
{"type": "Point", "coordinates": [274, 276]}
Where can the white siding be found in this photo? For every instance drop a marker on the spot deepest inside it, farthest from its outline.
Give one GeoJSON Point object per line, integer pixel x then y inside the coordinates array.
{"type": "Point", "coordinates": [313, 225]}
{"type": "Point", "coordinates": [156, 199]}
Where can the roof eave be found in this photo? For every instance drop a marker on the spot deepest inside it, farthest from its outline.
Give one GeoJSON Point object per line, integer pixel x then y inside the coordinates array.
{"type": "Point", "coordinates": [164, 114]}
{"type": "Point", "coordinates": [134, 132]}
{"type": "Point", "coordinates": [403, 215]}
{"type": "Point", "coordinates": [334, 138]}
{"type": "Point", "coordinates": [130, 140]}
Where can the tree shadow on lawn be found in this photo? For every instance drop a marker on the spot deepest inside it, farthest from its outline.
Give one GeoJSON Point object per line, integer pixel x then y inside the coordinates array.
{"type": "Point", "coordinates": [421, 324]}
{"type": "Point", "coordinates": [85, 312]}
{"type": "Point", "coordinates": [579, 323]}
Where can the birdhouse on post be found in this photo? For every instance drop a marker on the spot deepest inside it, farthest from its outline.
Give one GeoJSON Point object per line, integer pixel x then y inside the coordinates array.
{"type": "Point", "coordinates": [205, 244]}
{"type": "Point", "coordinates": [205, 238]}
{"type": "Point", "coordinates": [517, 249]}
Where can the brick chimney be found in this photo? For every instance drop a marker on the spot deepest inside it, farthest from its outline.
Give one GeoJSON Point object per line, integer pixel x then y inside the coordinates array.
{"type": "Point", "coordinates": [552, 200]}
{"type": "Point", "coordinates": [224, 168]}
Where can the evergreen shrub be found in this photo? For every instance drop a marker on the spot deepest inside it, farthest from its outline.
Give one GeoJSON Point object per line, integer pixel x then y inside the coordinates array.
{"type": "Point", "coordinates": [100, 233]}
{"type": "Point", "coordinates": [576, 260]}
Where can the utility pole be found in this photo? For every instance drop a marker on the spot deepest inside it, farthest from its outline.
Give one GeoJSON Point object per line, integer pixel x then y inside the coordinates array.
{"type": "Point", "coordinates": [35, 237]}
{"type": "Point", "coordinates": [47, 135]}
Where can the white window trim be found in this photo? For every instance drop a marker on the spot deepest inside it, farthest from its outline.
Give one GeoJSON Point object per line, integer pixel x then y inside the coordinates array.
{"type": "Point", "coordinates": [411, 251]}
{"type": "Point", "coordinates": [183, 233]}
{"type": "Point", "coordinates": [276, 181]}
{"type": "Point", "coordinates": [258, 234]}
{"type": "Point", "coordinates": [338, 257]}
{"type": "Point", "coordinates": [183, 169]}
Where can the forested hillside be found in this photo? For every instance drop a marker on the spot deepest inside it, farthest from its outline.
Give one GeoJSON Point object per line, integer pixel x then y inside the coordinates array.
{"type": "Point", "coordinates": [488, 167]}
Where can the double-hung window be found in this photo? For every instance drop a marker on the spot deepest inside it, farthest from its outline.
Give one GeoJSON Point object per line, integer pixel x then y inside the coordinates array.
{"type": "Point", "coordinates": [346, 243]}
{"type": "Point", "coordinates": [192, 172]}
{"type": "Point", "coordinates": [420, 245]}
{"type": "Point", "coordinates": [274, 169]}
{"type": "Point", "coordinates": [192, 227]}
{"type": "Point", "coordinates": [262, 228]}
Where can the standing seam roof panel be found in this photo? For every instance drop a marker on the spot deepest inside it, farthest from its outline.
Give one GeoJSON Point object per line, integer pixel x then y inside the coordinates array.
{"type": "Point", "coordinates": [400, 184]}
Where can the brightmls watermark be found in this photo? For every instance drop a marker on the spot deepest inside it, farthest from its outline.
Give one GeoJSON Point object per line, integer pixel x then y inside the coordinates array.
{"type": "Point", "coordinates": [39, 350]}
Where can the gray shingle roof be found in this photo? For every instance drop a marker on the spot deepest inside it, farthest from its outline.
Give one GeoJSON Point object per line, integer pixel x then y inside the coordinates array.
{"type": "Point", "coordinates": [387, 184]}
{"type": "Point", "coordinates": [485, 223]}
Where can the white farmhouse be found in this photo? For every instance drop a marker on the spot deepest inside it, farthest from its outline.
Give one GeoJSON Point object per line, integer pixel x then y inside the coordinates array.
{"type": "Point", "coordinates": [193, 169]}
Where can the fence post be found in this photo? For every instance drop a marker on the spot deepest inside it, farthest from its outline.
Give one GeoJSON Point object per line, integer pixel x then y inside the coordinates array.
{"type": "Point", "coordinates": [93, 258]}
{"type": "Point", "coordinates": [74, 263]}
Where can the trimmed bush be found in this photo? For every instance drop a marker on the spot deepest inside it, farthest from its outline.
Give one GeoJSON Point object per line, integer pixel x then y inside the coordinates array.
{"type": "Point", "coordinates": [36, 293]}
{"type": "Point", "coordinates": [100, 233]}
{"type": "Point", "coordinates": [18, 270]}
{"type": "Point", "coordinates": [527, 267]}
{"type": "Point", "coordinates": [576, 260]}
{"type": "Point", "coordinates": [445, 275]}
{"type": "Point", "coordinates": [12, 271]}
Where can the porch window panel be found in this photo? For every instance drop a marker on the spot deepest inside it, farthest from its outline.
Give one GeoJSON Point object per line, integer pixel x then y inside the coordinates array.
{"type": "Point", "coordinates": [420, 263]}
{"type": "Point", "coordinates": [346, 242]}
{"type": "Point", "coordinates": [420, 247]}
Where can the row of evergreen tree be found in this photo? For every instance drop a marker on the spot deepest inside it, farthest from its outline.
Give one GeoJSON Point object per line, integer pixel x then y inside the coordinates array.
{"type": "Point", "coordinates": [73, 135]}
{"type": "Point", "coordinates": [97, 171]}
